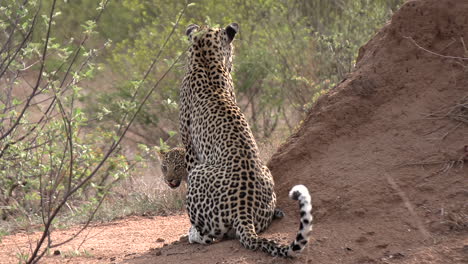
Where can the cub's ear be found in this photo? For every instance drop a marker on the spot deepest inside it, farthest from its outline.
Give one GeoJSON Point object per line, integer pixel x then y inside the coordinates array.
{"type": "Point", "coordinates": [231, 31]}
{"type": "Point", "coordinates": [161, 153]}
{"type": "Point", "coordinates": [192, 28]}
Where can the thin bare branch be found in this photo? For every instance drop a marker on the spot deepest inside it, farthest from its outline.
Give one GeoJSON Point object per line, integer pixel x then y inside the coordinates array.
{"type": "Point", "coordinates": [36, 255]}
{"type": "Point", "coordinates": [153, 63]}
{"type": "Point", "coordinates": [20, 46]}
{"type": "Point", "coordinates": [432, 52]}
{"type": "Point", "coordinates": [18, 120]}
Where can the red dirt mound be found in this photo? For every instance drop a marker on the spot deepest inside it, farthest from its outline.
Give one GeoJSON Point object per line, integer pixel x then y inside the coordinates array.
{"type": "Point", "coordinates": [383, 152]}
{"type": "Point", "coordinates": [383, 155]}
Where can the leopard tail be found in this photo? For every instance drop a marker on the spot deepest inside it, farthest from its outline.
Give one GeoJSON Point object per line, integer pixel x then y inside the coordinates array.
{"type": "Point", "coordinates": [250, 239]}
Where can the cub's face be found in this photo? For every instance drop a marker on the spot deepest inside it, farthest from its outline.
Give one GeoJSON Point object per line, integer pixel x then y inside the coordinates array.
{"type": "Point", "coordinates": [173, 166]}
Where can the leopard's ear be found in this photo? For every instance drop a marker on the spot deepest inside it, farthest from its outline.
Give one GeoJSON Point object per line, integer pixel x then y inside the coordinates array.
{"type": "Point", "coordinates": [161, 153]}
{"type": "Point", "coordinates": [231, 31]}
{"type": "Point", "coordinates": [192, 28]}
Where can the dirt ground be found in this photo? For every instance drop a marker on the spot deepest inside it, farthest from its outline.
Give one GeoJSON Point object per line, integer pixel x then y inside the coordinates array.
{"type": "Point", "coordinates": [384, 155]}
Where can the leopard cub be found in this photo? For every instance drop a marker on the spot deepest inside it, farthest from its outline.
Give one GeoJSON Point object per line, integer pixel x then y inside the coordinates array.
{"type": "Point", "coordinates": [173, 166]}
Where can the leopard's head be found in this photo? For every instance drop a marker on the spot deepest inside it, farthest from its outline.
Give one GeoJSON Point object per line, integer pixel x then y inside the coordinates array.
{"type": "Point", "coordinates": [212, 45]}
{"type": "Point", "coordinates": [173, 166]}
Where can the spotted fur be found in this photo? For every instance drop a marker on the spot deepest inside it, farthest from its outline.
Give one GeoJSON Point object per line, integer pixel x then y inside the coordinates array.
{"type": "Point", "coordinates": [173, 168]}
{"type": "Point", "coordinates": [230, 190]}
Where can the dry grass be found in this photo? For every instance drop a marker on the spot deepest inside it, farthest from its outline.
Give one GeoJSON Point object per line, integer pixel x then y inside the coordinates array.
{"type": "Point", "coordinates": [268, 147]}
{"type": "Point", "coordinates": [145, 194]}
{"type": "Point", "coordinates": [457, 220]}
{"type": "Point", "coordinates": [445, 164]}
{"type": "Point", "coordinates": [457, 113]}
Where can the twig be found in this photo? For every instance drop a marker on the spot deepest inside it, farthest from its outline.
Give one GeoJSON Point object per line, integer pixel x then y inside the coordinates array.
{"type": "Point", "coordinates": [419, 164]}
{"type": "Point", "coordinates": [450, 131]}
{"type": "Point", "coordinates": [458, 112]}
{"type": "Point", "coordinates": [409, 206]}
{"type": "Point", "coordinates": [432, 52]}
{"type": "Point", "coordinates": [52, 103]}
{"type": "Point", "coordinates": [153, 63]}
{"type": "Point", "coordinates": [90, 218]}
{"type": "Point", "coordinates": [464, 46]}
{"type": "Point", "coordinates": [39, 77]}
{"type": "Point", "coordinates": [446, 164]}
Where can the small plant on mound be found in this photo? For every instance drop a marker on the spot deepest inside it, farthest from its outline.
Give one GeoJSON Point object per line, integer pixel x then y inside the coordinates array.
{"type": "Point", "coordinates": [457, 113]}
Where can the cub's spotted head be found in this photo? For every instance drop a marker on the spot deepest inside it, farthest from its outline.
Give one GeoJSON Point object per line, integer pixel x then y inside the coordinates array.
{"type": "Point", "coordinates": [173, 166]}
{"type": "Point", "coordinates": [212, 45]}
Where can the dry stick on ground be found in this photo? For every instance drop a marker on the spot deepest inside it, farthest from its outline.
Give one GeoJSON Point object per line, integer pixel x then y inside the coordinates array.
{"type": "Point", "coordinates": [409, 206]}
{"type": "Point", "coordinates": [446, 165]}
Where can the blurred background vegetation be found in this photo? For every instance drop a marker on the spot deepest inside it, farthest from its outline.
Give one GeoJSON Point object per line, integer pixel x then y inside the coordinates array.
{"type": "Point", "coordinates": [287, 54]}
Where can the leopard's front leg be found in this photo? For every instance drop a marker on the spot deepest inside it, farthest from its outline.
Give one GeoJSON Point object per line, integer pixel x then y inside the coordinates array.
{"type": "Point", "coordinates": [195, 237]}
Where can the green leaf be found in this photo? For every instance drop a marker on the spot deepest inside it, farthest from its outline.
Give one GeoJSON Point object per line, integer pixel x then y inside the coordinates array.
{"type": "Point", "coordinates": [172, 133]}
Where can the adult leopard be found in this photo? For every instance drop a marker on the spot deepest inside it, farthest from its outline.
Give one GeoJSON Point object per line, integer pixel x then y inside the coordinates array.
{"type": "Point", "coordinates": [229, 189]}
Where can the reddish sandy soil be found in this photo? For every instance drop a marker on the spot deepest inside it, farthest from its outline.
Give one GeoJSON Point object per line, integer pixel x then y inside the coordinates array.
{"type": "Point", "coordinates": [383, 155]}
{"type": "Point", "coordinates": [104, 243]}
